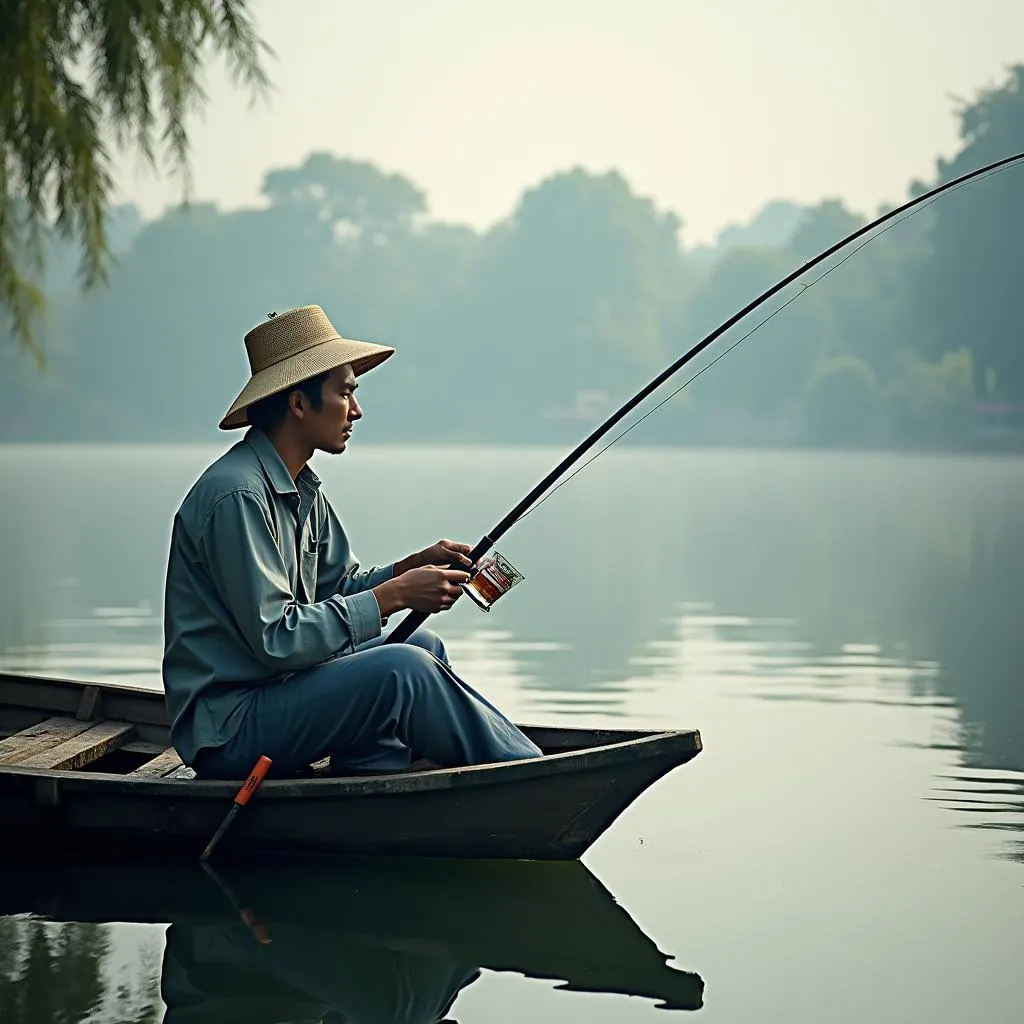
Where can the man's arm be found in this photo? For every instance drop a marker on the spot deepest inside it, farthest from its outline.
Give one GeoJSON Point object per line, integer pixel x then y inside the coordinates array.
{"type": "Point", "coordinates": [252, 580]}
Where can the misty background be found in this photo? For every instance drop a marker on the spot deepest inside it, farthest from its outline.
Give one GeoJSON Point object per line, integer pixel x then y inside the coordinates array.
{"type": "Point", "coordinates": [532, 325]}
{"type": "Point", "coordinates": [541, 205]}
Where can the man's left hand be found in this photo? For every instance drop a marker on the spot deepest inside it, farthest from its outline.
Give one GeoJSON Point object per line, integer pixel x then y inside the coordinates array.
{"type": "Point", "coordinates": [444, 552]}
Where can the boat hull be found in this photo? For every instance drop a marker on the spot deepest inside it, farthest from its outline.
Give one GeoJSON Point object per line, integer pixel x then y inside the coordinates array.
{"type": "Point", "coordinates": [548, 808]}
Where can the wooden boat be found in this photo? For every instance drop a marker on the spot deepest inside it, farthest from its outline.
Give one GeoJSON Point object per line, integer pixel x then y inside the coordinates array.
{"type": "Point", "coordinates": [350, 921]}
{"type": "Point", "coordinates": [89, 765]}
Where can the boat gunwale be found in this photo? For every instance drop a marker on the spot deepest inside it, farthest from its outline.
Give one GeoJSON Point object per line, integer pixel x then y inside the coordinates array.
{"type": "Point", "coordinates": [649, 743]}
{"type": "Point", "coordinates": [570, 762]}
{"type": "Point", "coordinates": [125, 688]}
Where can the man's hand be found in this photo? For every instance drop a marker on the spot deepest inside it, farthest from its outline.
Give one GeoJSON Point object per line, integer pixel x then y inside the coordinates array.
{"type": "Point", "coordinates": [444, 553]}
{"type": "Point", "coordinates": [429, 588]}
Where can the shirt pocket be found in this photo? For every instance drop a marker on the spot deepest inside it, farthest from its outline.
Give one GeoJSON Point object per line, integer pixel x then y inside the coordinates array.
{"type": "Point", "coordinates": [309, 553]}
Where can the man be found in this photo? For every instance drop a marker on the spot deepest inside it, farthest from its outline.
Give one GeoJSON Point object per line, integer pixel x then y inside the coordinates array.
{"type": "Point", "coordinates": [272, 631]}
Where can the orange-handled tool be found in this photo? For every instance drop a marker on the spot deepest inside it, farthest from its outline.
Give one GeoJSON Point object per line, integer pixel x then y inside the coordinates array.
{"type": "Point", "coordinates": [249, 787]}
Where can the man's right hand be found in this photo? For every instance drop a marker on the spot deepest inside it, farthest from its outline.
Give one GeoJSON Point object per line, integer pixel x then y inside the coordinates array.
{"type": "Point", "coordinates": [429, 588]}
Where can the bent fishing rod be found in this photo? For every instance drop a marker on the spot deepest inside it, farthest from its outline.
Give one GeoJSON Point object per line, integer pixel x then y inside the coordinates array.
{"type": "Point", "coordinates": [414, 619]}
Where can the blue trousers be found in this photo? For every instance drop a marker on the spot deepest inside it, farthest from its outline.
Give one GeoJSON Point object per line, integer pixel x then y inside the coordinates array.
{"type": "Point", "coordinates": [376, 709]}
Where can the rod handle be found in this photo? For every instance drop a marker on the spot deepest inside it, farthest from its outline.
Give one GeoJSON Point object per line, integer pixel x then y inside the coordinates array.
{"type": "Point", "coordinates": [414, 619]}
{"type": "Point", "coordinates": [252, 783]}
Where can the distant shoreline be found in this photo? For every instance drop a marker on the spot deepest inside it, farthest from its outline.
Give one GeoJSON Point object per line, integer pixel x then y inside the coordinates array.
{"type": "Point", "coordinates": [1010, 449]}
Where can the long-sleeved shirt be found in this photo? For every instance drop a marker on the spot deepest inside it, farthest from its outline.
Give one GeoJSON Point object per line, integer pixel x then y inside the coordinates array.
{"type": "Point", "coordinates": [261, 582]}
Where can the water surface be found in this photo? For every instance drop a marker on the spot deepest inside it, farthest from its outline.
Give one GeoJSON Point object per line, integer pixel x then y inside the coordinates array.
{"type": "Point", "coordinates": [843, 629]}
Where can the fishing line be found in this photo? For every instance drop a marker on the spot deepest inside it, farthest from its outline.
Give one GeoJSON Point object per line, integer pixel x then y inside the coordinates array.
{"type": "Point", "coordinates": [804, 288]}
{"type": "Point", "coordinates": [637, 422]}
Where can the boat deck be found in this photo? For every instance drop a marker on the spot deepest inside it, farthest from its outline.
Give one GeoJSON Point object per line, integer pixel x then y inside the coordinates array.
{"type": "Point", "coordinates": [67, 744]}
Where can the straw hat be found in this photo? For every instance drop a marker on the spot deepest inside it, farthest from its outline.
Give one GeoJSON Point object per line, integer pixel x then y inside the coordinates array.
{"type": "Point", "coordinates": [290, 347]}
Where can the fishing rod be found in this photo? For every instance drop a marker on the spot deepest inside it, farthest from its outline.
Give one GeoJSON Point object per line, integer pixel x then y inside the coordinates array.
{"type": "Point", "coordinates": [414, 619]}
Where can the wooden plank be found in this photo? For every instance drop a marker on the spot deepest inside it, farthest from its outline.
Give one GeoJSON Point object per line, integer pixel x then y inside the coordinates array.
{"type": "Point", "coordinates": [161, 765]}
{"type": "Point", "coordinates": [14, 720]}
{"type": "Point", "coordinates": [38, 738]}
{"type": "Point", "coordinates": [87, 705]}
{"type": "Point", "coordinates": [150, 739]}
{"type": "Point", "coordinates": [90, 746]}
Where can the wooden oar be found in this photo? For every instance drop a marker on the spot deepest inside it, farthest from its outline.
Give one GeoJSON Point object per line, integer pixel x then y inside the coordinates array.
{"type": "Point", "coordinates": [249, 787]}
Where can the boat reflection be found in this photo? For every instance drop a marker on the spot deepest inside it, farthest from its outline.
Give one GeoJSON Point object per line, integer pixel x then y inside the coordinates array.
{"type": "Point", "coordinates": [373, 942]}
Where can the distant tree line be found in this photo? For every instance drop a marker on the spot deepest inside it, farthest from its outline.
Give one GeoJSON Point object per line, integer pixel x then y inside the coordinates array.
{"type": "Point", "coordinates": [532, 330]}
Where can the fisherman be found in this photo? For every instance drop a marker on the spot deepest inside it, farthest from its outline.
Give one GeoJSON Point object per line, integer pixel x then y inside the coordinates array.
{"type": "Point", "coordinates": [273, 632]}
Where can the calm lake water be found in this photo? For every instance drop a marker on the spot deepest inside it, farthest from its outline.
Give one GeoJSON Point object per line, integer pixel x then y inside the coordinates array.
{"type": "Point", "coordinates": [844, 629]}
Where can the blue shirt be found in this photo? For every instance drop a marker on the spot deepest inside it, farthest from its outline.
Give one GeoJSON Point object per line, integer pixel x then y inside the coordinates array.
{"type": "Point", "coordinates": [261, 582]}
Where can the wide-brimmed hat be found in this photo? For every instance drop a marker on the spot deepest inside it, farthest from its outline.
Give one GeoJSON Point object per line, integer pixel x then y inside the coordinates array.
{"type": "Point", "coordinates": [291, 347]}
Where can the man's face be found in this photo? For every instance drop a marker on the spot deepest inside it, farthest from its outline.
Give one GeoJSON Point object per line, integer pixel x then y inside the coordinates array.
{"type": "Point", "coordinates": [329, 427]}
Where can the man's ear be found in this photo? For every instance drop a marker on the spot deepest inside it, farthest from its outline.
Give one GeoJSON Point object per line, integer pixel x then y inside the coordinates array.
{"type": "Point", "coordinates": [297, 403]}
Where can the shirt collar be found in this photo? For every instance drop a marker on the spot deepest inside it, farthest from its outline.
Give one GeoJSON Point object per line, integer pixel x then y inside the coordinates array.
{"type": "Point", "coordinates": [274, 467]}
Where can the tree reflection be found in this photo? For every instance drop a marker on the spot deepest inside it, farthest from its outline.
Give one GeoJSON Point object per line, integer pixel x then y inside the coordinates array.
{"type": "Point", "coordinates": [58, 973]}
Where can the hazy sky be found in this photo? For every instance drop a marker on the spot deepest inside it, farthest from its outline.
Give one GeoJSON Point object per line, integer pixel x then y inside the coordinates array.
{"type": "Point", "coordinates": [712, 108]}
